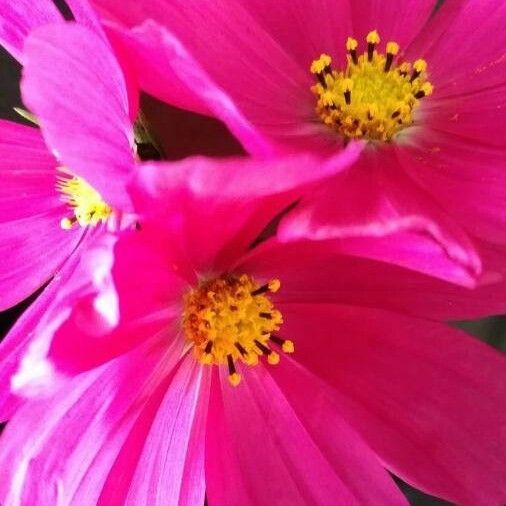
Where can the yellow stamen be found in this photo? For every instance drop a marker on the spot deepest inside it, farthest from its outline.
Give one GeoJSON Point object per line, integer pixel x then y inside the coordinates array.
{"type": "Point", "coordinates": [420, 66]}
{"type": "Point", "coordinates": [234, 379]}
{"type": "Point", "coordinates": [351, 44]}
{"type": "Point", "coordinates": [87, 205]}
{"type": "Point", "coordinates": [373, 37]}
{"type": "Point", "coordinates": [288, 347]}
{"type": "Point", "coordinates": [373, 98]}
{"type": "Point", "coordinates": [392, 48]}
{"type": "Point", "coordinates": [321, 64]}
{"type": "Point", "coordinates": [230, 319]}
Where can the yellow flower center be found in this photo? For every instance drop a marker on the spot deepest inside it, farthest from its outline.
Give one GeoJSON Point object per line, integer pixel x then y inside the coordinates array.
{"type": "Point", "coordinates": [87, 205]}
{"type": "Point", "coordinates": [232, 318]}
{"type": "Point", "coordinates": [374, 97]}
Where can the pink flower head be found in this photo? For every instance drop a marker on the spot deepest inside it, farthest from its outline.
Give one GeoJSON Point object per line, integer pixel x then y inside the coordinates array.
{"type": "Point", "coordinates": [424, 87]}
{"type": "Point", "coordinates": [56, 182]}
{"type": "Point", "coordinates": [255, 373]}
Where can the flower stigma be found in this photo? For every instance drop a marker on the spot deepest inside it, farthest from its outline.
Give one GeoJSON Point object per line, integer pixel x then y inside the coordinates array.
{"type": "Point", "coordinates": [232, 318]}
{"type": "Point", "coordinates": [374, 97]}
{"type": "Point", "coordinates": [87, 205]}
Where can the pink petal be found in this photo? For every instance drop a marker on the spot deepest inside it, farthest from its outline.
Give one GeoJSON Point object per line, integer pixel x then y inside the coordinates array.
{"type": "Point", "coordinates": [255, 58]}
{"type": "Point", "coordinates": [265, 75]}
{"type": "Point", "coordinates": [89, 294]}
{"type": "Point", "coordinates": [265, 446]}
{"type": "Point", "coordinates": [379, 213]}
{"type": "Point", "coordinates": [182, 200]}
{"type": "Point", "coordinates": [303, 29]}
{"type": "Point", "coordinates": [32, 250]}
{"type": "Point", "coordinates": [331, 275]}
{"type": "Point", "coordinates": [53, 445]}
{"type": "Point", "coordinates": [82, 104]}
{"type": "Point", "coordinates": [28, 174]}
{"type": "Point", "coordinates": [85, 15]}
{"type": "Point", "coordinates": [165, 67]}
{"type": "Point", "coordinates": [395, 21]}
{"type": "Point", "coordinates": [15, 344]}
{"type": "Point", "coordinates": [145, 308]}
{"type": "Point", "coordinates": [462, 55]}
{"type": "Point", "coordinates": [469, 117]}
{"type": "Point", "coordinates": [19, 18]}
{"type": "Point", "coordinates": [467, 179]}
{"type": "Point", "coordinates": [419, 392]}
{"type": "Point", "coordinates": [171, 465]}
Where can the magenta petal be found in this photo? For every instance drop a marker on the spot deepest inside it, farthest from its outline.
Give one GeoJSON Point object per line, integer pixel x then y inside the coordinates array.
{"type": "Point", "coordinates": [85, 15]}
{"type": "Point", "coordinates": [380, 213]}
{"type": "Point", "coordinates": [467, 179]}
{"type": "Point", "coordinates": [62, 447]}
{"type": "Point", "coordinates": [395, 21]}
{"type": "Point", "coordinates": [15, 344]}
{"type": "Point", "coordinates": [331, 275]}
{"type": "Point", "coordinates": [170, 467]}
{"type": "Point", "coordinates": [86, 339]}
{"type": "Point", "coordinates": [306, 453]}
{"type": "Point", "coordinates": [166, 71]}
{"type": "Point", "coordinates": [449, 43]}
{"type": "Point", "coordinates": [18, 18]}
{"type": "Point", "coordinates": [217, 208]}
{"type": "Point", "coordinates": [420, 393]}
{"type": "Point", "coordinates": [82, 104]}
{"type": "Point", "coordinates": [28, 173]}
{"type": "Point", "coordinates": [88, 293]}
{"type": "Point", "coordinates": [32, 250]}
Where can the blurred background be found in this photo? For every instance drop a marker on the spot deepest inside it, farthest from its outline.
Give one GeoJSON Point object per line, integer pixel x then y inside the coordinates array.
{"type": "Point", "coordinates": [197, 134]}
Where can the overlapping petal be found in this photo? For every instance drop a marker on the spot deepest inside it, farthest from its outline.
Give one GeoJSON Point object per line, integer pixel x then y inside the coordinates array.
{"type": "Point", "coordinates": [18, 19]}
{"type": "Point", "coordinates": [219, 207]}
{"type": "Point", "coordinates": [420, 394]}
{"type": "Point", "coordinates": [267, 450]}
{"type": "Point", "coordinates": [83, 106]}
{"type": "Point", "coordinates": [375, 199]}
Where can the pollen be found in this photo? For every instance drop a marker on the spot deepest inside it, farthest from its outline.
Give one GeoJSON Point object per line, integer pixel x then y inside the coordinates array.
{"type": "Point", "coordinates": [232, 319]}
{"type": "Point", "coordinates": [374, 97]}
{"type": "Point", "coordinates": [87, 206]}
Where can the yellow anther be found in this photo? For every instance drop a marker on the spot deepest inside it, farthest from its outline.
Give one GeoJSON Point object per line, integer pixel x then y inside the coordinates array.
{"type": "Point", "coordinates": [230, 319]}
{"type": "Point", "coordinates": [392, 48]}
{"type": "Point", "coordinates": [373, 97]}
{"type": "Point", "coordinates": [66, 223]}
{"type": "Point", "coordinates": [427, 88]}
{"type": "Point", "coordinates": [273, 358]}
{"type": "Point", "coordinates": [351, 44]}
{"type": "Point", "coordinates": [85, 202]}
{"type": "Point", "coordinates": [420, 66]}
{"type": "Point", "coordinates": [321, 64]}
{"type": "Point", "coordinates": [288, 346]}
{"type": "Point", "coordinates": [274, 285]}
{"type": "Point", "coordinates": [373, 37]}
{"type": "Point", "coordinates": [234, 378]}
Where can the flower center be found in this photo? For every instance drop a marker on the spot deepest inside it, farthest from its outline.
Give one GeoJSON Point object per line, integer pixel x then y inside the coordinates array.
{"type": "Point", "coordinates": [374, 97]}
{"type": "Point", "coordinates": [232, 318]}
{"type": "Point", "coordinates": [86, 203]}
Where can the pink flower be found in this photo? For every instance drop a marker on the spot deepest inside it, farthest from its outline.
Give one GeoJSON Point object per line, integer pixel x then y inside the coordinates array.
{"type": "Point", "coordinates": [186, 398]}
{"type": "Point", "coordinates": [56, 187]}
{"type": "Point", "coordinates": [256, 65]}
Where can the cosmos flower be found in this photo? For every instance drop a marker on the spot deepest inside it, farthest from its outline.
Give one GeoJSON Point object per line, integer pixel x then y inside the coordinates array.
{"type": "Point", "coordinates": [254, 373]}
{"type": "Point", "coordinates": [423, 86]}
{"type": "Point", "coordinates": [56, 182]}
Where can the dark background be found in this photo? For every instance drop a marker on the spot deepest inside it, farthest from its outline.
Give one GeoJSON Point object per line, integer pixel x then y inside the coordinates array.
{"type": "Point", "coordinates": [491, 330]}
